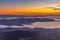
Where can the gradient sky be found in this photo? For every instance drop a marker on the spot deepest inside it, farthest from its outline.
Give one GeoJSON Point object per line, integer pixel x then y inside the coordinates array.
{"type": "Point", "coordinates": [50, 6]}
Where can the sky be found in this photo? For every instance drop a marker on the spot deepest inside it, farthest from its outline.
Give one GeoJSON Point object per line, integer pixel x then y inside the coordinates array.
{"type": "Point", "coordinates": [29, 6]}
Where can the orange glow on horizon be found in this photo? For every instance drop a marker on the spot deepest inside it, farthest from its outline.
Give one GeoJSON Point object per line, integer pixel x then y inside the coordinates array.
{"type": "Point", "coordinates": [30, 12]}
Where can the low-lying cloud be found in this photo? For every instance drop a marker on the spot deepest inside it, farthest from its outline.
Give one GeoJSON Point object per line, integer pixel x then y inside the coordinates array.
{"type": "Point", "coordinates": [49, 25]}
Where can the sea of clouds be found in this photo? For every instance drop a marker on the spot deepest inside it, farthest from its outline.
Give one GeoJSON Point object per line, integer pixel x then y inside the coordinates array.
{"type": "Point", "coordinates": [35, 24]}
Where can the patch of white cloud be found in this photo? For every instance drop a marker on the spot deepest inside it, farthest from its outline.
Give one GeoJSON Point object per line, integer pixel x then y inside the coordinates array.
{"type": "Point", "coordinates": [48, 25]}
{"type": "Point", "coordinates": [10, 18]}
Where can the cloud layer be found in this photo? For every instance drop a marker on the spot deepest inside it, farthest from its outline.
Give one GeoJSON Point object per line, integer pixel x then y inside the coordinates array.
{"type": "Point", "coordinates": [54, 8]}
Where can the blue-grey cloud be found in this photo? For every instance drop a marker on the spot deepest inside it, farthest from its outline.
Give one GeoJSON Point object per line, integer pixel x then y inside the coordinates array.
{"type": "Point", "coordinates": [54, 8]}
